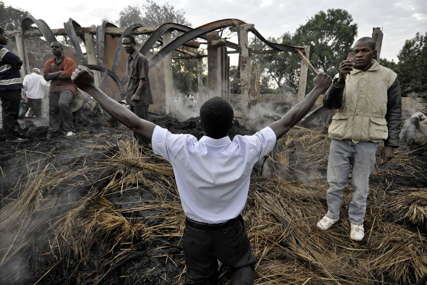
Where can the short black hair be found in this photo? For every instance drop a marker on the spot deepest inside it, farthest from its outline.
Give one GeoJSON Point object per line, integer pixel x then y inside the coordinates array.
{"type": "Point", "coordinates": [1, 31]}
{"type": "Point", "coordinates": [129, 36]}
{"type": "Point", "coordinates": [56, 43]}
{"type": "Point", "coordinates": [370, 41]}
{"type": "Point", "coordinates": [216, 116]}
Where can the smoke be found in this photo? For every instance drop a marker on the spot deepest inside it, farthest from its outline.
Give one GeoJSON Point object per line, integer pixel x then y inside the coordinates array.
{"type": "Point", "coordinates": [184, 107]}
{"type": "Point", "coordinates": [25, 224]}
{"type": "Point", "coordinates": [17, 271]}
{"type": "Point", "coordinates": [261, 115]}
{"type": "Point", "coordinates": [269, 108]}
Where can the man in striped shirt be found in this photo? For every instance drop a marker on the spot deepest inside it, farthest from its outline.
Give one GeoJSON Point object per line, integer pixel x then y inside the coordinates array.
{"type": "Point", "coordinates": [10, 88]}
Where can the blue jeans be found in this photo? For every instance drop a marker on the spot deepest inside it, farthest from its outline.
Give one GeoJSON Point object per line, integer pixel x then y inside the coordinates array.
{"type": "Point", "coordinates": [346, 156]}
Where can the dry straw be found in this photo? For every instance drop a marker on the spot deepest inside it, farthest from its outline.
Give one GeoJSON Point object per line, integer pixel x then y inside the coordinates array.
{"type": "Point", "coordinates": [92, 236]}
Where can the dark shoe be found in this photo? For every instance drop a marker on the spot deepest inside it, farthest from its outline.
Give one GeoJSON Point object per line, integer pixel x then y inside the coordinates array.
{"type": "Point", "coordinates": [16, 138]}
{"type": "Point", "coordinates": [52, 134]}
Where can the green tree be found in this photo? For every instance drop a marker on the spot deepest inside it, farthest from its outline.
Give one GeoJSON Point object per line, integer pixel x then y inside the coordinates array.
{"type": "Point", "coordinates": [10, 18]}
{"type": "Point", "coordinates": [129, 16]}
{"type": "Point", "coordinates": [151, 14]}
{"type": "Point", "coordinates": [155, 14]}
{"type": "Point", "coordinates": [279, 67]}
{"type": "Point", "coordinates": [329, 35]}
{"type": "Point", "coordinates": [185, 74]}
{"type": "Point", "coordinates": [412, 66]}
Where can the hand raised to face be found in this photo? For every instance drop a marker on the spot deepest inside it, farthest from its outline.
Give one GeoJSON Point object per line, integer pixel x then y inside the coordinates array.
{"type": "Point", "coordinates": [346, 66]}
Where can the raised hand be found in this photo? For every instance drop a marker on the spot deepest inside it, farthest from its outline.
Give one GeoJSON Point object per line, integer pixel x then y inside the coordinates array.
{"type": "Point", "coordinates": [346, 66]}
{"type": "Point", "coordinates": [83, 78]}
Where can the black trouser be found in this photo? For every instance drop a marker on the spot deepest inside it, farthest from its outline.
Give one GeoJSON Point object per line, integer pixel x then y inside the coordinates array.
{"type": "Point", "coordinates": [205, 244]}
{"type": "Point", "coordinates": [141, 110]}
{"type": "Point", "coordinates": [60, 115]}
{"type": "Point", "coordinates": [10, 109]}
{"type": "Point", "coordinates": [35, 107]}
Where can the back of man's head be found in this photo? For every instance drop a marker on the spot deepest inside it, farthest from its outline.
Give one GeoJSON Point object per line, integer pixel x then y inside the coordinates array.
{"type": "Point", "coordinates": [130, 37]}
{"type": "Point", "coordinates": [56, 44]}
{"type": "Point", "coordinates": [216, 116]}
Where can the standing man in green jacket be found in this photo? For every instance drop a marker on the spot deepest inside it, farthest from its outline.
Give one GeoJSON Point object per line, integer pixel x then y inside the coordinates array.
{"type": "Point", "coordinates": [368, 102]}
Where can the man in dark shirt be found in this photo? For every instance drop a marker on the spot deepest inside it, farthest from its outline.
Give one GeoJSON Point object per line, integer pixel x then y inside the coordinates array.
{"type": "Point", "coordinates": [138, 94]}
{"type": "Point", "coordinates": [10, 88]}
{"type": "Point", "coordinates": [62, 90]}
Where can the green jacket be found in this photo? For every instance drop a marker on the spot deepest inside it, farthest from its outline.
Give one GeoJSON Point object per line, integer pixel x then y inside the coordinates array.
{"type": "Point", "coordinates": [369, 106]}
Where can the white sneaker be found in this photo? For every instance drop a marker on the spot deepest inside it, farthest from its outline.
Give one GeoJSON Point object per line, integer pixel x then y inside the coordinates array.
{"type": "Point", "coordinates": [325, 223]}
{"type": "Point", "coordinates": [70, 134]}
{"type": "Point", "coordinates": [357, 232]}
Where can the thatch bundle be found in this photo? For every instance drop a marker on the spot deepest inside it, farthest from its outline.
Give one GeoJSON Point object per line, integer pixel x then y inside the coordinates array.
{"type": "Point", "coordinates": [123, 223]}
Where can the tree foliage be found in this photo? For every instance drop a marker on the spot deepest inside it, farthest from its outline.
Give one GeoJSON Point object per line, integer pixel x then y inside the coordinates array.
{"type": "Point", "coordinates": [129, 16]}
{"type": "Point", "coordinates": [10, 18]}
{"type": "Point", "coordinates": [185, 72]}
{"type": "Point", "coordinates": [279, 67]}
{"type": "Point", "coordinates": [412, 65]}
{"type": "Point", "coordinates": [329, 34]}
{"type": "Point", "coordinates": [151, 14]}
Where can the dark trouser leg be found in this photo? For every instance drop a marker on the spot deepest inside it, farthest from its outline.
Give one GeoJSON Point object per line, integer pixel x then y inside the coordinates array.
{"type": "Point", "coordinates": [54, 119]}
{"type": "Point", "coordinates": [10, 108]}
{"type": "Point", "coordinates": [233, 249]}
{"type": "Point", "coordinates": [141, 110]}
{"type": "Point", "coordinates": [36, 106]}
{"type": "Point", "coordinates": [65, 113]}
{"type": "Point", "coordinates": [202, 265]}
{"type": "Point", "coordinates": [23, 108]}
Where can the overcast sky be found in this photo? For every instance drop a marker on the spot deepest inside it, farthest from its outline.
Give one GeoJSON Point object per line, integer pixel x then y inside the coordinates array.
{"type": "Point", "coordinates": [399, 19]}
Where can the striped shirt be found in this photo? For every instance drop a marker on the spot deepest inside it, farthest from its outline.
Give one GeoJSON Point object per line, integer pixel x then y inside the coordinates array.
{"type": "Point", "coordinates": [10, 77]}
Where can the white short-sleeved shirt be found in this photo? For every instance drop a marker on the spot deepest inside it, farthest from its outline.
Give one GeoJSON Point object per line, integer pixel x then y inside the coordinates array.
{"type": "Point", "coordinates": [34, 86]}
{"type": "Point", "coordinates": [212, 175]}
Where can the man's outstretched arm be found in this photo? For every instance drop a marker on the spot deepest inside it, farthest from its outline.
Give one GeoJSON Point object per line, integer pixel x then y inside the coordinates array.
{"type": "Point", "coordinates": [83, 78]}
{"type": "Point", "coordinates": [294, 115]}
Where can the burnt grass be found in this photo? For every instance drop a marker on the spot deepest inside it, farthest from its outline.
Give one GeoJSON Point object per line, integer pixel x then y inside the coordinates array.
{"type": "Point", "coordinates": [145, 264]}
{"type": "Point", "coordinates": [147, 261]}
